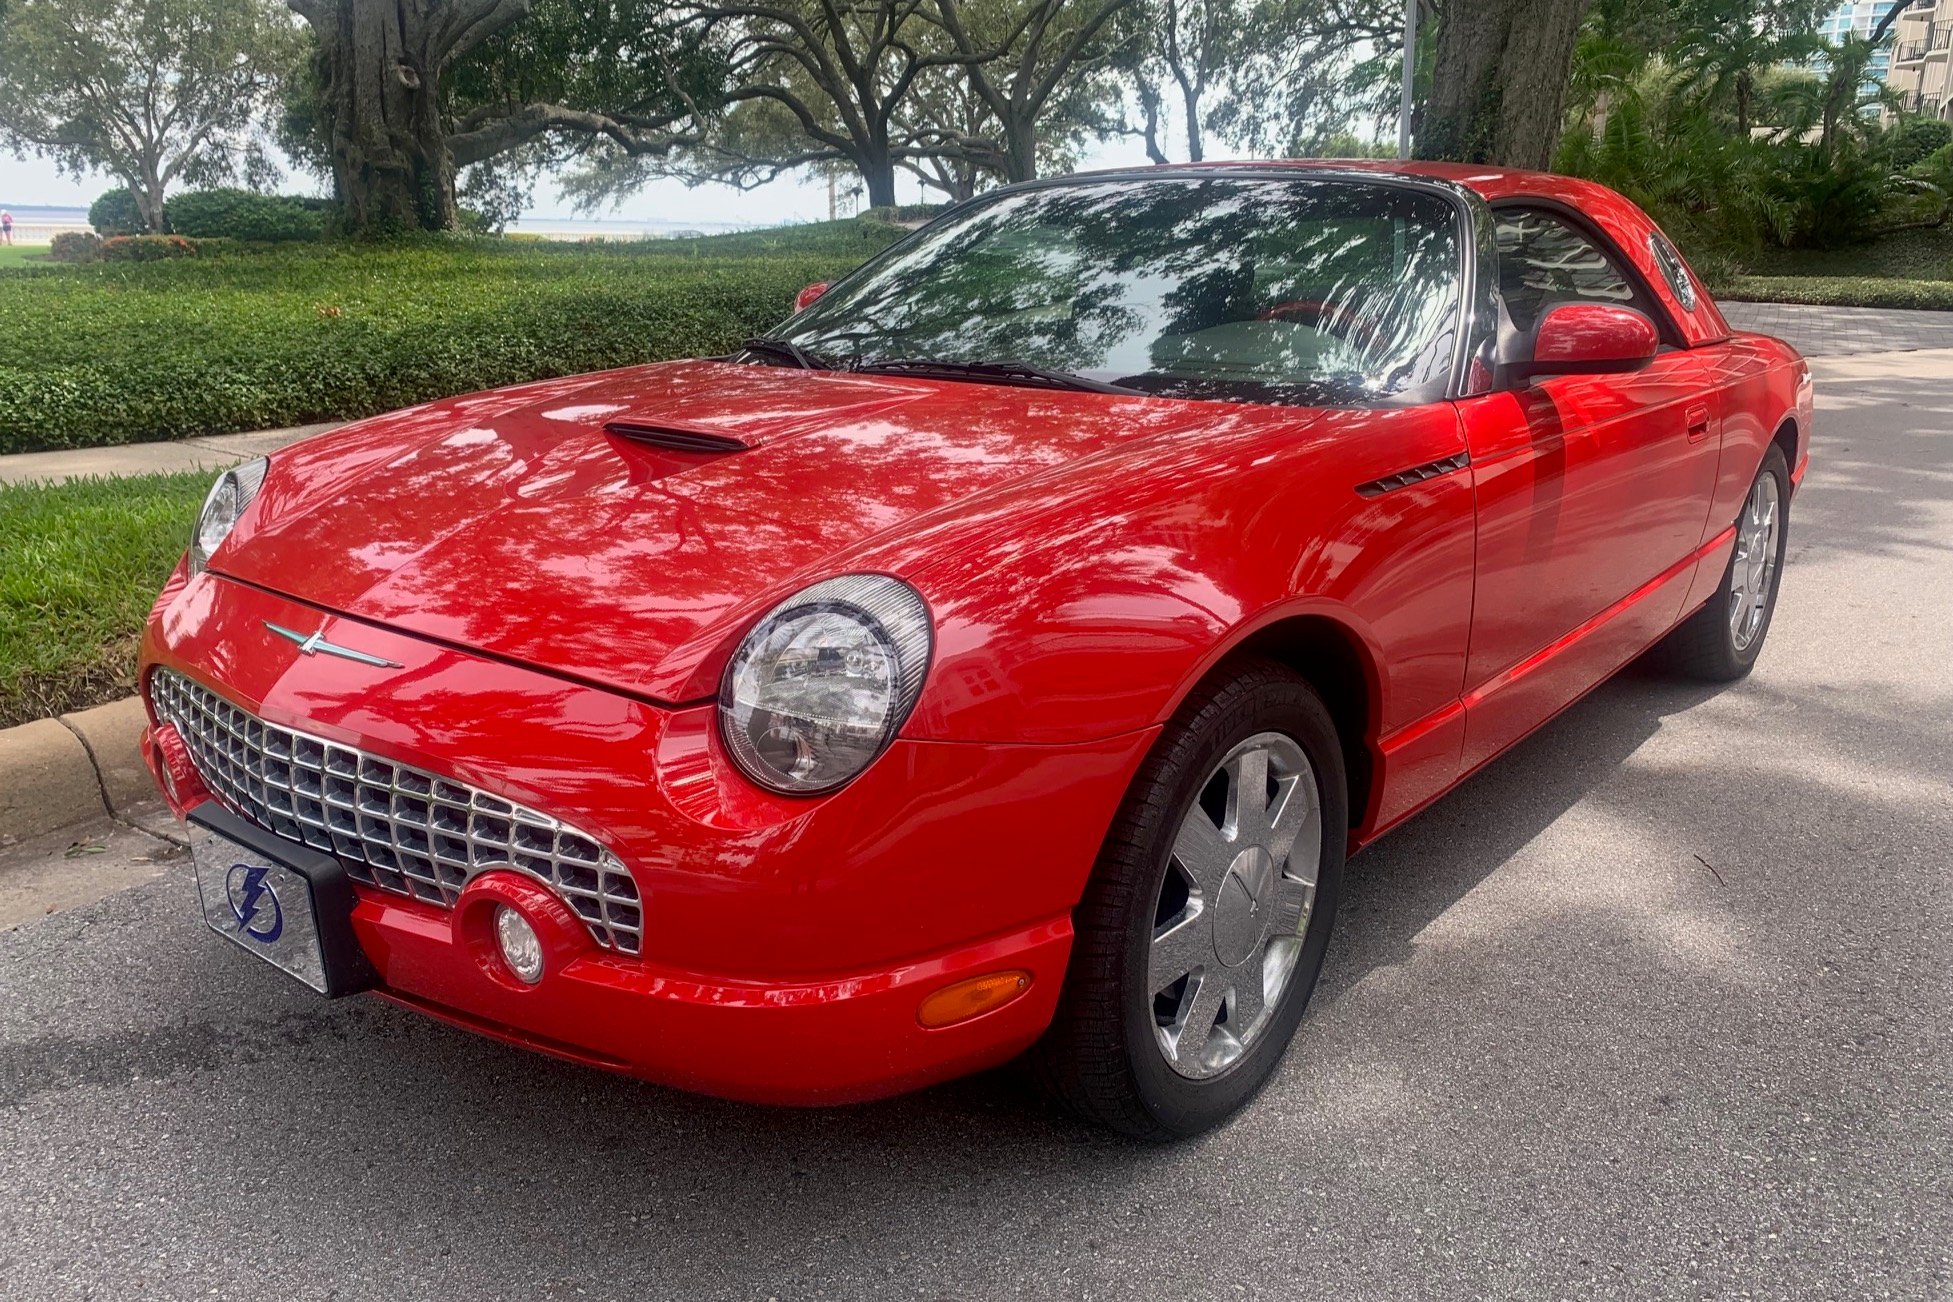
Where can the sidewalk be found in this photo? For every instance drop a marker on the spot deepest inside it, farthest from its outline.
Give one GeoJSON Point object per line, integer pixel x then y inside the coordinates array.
{"type": "Point", "coordinates": [212, 453]}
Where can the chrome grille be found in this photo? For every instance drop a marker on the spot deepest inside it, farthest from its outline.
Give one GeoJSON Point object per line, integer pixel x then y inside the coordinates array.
{"type": "Point", "coordinates": [398, 828]}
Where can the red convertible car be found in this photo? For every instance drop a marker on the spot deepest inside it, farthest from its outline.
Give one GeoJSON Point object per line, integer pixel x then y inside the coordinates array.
{"type": "Point", "coordinates": [1003, 656]}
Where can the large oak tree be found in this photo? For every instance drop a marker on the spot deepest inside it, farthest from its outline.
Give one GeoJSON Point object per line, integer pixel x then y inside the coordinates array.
{"type": "Point", "coordinates": [413, 90]}
{"type": "Point", "coordinates": [154, 92]}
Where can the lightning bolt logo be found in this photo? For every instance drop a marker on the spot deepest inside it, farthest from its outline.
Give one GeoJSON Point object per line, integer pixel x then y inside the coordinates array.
{"type": "Point", "coordinates": [249, 897]}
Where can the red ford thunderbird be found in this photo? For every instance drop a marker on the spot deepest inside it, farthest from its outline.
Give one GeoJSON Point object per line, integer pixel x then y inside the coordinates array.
{"type": "Point", "coordinates": [1002, 657]}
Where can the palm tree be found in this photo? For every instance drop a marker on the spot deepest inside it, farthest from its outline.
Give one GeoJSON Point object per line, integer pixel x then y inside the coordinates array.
{"type": "Point", "coordinates": [1727, 43]}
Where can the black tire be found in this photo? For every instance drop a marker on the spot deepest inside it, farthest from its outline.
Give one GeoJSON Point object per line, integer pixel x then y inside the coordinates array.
{"type": "Point", "coordinates": [1703, 646]}
{"type": "Point", "coordinates": [1100, 1057]}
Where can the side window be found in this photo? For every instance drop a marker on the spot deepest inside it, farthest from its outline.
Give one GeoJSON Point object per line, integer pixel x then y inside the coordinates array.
{"type": "Point", "coordinates": [1543, 260]}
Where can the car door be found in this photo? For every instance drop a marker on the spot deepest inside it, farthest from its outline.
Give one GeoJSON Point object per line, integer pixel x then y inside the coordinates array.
{"type": "Point", "coordinates": [1591, 491]}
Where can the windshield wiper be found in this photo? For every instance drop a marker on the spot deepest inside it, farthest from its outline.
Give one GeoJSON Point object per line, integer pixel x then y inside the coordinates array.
{"type": "Point", "coordinates": [805, 358]}
{"type": "Point", "coordinates": [995, 372]}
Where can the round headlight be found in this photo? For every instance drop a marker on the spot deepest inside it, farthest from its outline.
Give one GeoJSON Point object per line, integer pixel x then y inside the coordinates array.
{"type": "Point", "coordinates": [228, 497]}
{"type": "Point", "coordinates": [824, 681]}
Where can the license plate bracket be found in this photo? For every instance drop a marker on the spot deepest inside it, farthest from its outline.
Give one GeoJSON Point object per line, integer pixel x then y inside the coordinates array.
{"type": "Point", "coordinates": [290, 905]}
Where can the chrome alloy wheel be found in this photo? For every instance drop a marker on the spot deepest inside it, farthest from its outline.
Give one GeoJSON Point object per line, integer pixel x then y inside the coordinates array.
{"type": "Point", "coordinates": [1239, 886]}
{"type": "Point", "coordinates": [1755, 564]}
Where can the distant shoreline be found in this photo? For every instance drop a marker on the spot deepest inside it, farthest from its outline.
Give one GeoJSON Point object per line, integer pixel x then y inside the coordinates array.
{"type": "Point", "coordinates": [47, 219]}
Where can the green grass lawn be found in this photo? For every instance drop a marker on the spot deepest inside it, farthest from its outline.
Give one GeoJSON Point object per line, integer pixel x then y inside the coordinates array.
{"type": "Point", "coordinates": [248, 339]}
{"type": "Point", "coordinates": [22, 255]}
{"type": "Point", "coordinates": [80, 565]}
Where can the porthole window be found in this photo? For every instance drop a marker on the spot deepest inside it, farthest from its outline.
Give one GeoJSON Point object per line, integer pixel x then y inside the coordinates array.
{"type": "Point", "coordinates": [1673, 270]}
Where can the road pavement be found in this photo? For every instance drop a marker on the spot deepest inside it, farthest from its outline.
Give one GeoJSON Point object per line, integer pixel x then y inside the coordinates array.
{"type": "Point", "coordinates": [1660, 1005]}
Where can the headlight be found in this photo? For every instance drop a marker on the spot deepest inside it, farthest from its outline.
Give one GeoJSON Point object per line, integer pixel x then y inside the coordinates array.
{"type": "Point", "coordinates": [824, 681]}
{"type": "Point", "coordinates": [228, 497]}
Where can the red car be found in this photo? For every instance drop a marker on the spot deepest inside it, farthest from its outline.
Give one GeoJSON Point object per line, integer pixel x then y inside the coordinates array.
{"type": "Point", "coordinates": [1003, 656]}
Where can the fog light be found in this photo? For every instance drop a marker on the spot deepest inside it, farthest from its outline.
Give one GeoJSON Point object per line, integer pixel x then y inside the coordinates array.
{"type": "Point", "coordinates": [967, 999]}
{"type": "Point", "coordinates": [521, 949]}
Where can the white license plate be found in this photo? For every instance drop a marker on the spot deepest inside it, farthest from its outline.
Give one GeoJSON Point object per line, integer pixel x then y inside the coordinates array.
{"type": "Point", "coordinates": [260, 904]}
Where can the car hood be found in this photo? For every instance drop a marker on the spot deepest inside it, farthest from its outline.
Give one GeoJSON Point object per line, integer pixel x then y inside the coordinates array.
{"type": "Point", "coordinates": [513, 524]}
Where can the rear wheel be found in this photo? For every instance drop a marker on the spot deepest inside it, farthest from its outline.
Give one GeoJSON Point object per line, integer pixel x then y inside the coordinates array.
{"type": "Point", "coordinates": [1202, 932]}
{"type": "Point", "coordinates": [1721, 641]}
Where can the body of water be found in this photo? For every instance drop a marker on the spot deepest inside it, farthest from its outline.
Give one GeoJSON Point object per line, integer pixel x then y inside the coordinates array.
{"type": "Point", "coordinates": [37, 224]}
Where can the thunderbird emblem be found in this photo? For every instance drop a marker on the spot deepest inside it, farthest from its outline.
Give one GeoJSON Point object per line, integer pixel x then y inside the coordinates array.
{"type": "Point", "coordinates": [312, 644]}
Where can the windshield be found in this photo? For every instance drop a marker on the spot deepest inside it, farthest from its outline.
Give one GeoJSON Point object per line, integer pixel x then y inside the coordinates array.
{"type": "Point", "coordinates": [1317, 291]}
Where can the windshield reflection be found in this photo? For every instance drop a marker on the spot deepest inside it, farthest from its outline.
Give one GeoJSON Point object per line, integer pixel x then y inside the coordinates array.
{"type": "Point", "coordinates": [1318, 291]}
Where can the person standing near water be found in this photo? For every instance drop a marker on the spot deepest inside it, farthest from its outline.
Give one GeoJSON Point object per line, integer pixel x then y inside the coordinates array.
{"type": "Point", "coordinates": [6, 226]}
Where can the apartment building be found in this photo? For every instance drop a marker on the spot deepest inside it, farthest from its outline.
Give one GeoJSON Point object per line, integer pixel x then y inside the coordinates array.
{"type": "Point", "coordinates": [1857, 18]}
{"type": "Point", "coordinates": [1922, 48]}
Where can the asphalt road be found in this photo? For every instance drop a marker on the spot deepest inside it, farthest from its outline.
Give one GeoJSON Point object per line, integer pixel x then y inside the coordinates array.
{"type": "Point", "coordinates": [1660, 1005]}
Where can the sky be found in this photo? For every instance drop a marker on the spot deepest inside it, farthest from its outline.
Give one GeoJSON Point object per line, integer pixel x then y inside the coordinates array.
{"type": "Point", "coordinates": [35, 181]}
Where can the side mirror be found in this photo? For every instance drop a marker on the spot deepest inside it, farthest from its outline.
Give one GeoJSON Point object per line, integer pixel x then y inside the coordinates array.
{"type": "Point", "coordinates": [805, 298]}
{"type": "Point", "coordinates": [1585, 339]}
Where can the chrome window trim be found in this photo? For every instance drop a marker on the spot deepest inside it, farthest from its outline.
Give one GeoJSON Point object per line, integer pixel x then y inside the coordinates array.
{"type": "Point", "coordinates": [396, 827]}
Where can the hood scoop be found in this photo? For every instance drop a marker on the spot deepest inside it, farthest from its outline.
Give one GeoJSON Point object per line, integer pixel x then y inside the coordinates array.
{"type": "Point", "coordinates": [677, 436]}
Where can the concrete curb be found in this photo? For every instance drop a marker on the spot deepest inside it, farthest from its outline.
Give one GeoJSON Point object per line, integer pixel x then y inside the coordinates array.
{"type": "Point", "coordinates": [58, 772]}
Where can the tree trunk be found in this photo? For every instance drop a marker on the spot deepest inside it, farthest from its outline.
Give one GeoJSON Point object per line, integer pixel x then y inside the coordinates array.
{"type": "Point", "coordinates": [149, 202]}
{"type": "Point", "coordinates": [878, 178]}
{"type": "Point", "coordinates": [1021, 148]}
{"type": "Point", "coordinates": [1196, 147]}
{"type": "Point", "coordinates": [390, 157]}
{"type": "Point", "coordinates": [1499, 83]}
{"type": "Point", "coordinates": [876, 163]}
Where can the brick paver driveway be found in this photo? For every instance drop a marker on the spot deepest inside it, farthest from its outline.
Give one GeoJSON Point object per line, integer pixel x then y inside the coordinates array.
{"type": "Point", "coordinates": [1838, 331]}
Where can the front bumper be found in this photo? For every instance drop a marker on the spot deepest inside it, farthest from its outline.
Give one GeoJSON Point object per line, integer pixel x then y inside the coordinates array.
{"type": "Point", "coordinates": [787, 942]}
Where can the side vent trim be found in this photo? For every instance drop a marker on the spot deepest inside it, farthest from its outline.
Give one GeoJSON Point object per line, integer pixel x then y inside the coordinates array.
{"type": "Point", "coordinates": [674, 438]}
{"type": "Point", "coordinates": [1415, 475]}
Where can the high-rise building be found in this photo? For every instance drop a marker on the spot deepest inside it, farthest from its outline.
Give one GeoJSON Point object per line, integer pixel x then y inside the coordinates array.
{"type": "Point", "coordinates": [1922, 46]}
{"type": "Point", "coordinates": [1858, 19]}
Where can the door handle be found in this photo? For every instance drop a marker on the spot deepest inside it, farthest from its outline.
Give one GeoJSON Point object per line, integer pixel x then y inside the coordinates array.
{"type": "Point", "coordinates": [1698, 418]}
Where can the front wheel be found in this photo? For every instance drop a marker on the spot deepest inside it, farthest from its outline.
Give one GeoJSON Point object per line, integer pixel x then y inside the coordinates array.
{"type": "Point", "coordinates": [1202, 932]}
{"type": "Point", "coordinates": [1720, 642]}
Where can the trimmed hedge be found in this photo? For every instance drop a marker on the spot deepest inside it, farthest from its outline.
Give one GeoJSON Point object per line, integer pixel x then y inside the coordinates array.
{"type": "Point", "coordinates": [146, 248]}
{"type": "Point", "coordinates": [75, 246]}
{"type": "Point", "coordinates": [123, 353]}
{"type": "Point", "coordinates": [245, 215]}
{"type": "Point", "coordinates": [1841, 291]}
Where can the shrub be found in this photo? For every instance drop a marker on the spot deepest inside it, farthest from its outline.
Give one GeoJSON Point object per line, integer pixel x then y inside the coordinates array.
{"type": "Point", "coordinates": [115, 213]}
{"type": "Point", "coordinates": [75, 246]}
{"type": "Point", "coordinates": [1827, 203]}
{"type": "Point", "coordinates": [147, 248]}
{"type": "Point", "coordinates": [243, 215]}
{"type": "Point", "coordinates": [1918, 139]}
{"type": "Point", "coordinates": [907, 212]}
{"type": "Point", "coordinates": [1937, 169]}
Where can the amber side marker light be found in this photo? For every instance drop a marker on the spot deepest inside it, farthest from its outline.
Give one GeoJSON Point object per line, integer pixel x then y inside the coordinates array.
{"type": "Point", "coordinates": [972, 998]}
